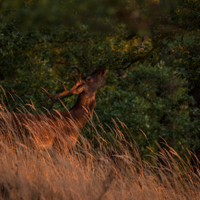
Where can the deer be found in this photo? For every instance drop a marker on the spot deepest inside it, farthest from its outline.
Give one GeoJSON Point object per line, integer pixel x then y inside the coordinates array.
{"type": "Point", "coordinates": [61, 128]}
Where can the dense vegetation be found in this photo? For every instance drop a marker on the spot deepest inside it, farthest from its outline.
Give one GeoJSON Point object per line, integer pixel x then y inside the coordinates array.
{"type": "Point", "coordinates": [105, 172]}
{"type": "Point", "coordinates": [150, 48]}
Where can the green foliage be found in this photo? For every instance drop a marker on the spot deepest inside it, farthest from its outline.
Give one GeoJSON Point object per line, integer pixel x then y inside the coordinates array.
{"type": "Point", "coordinates": [150, 48]}
{"type": "Point", "coordinates": [153, 99]}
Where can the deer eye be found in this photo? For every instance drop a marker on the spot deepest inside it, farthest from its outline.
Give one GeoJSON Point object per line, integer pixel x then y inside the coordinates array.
{"type": "Point", "coordinates": [89, 78]}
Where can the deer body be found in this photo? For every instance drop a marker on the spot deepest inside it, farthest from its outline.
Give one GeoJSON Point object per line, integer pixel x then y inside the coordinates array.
{"type": "Point", "coordinates": [61, 127]}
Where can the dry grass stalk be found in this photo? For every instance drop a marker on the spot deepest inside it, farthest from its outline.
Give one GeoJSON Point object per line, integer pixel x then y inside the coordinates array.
{"type": "Point", "coordinates": [106, 172]}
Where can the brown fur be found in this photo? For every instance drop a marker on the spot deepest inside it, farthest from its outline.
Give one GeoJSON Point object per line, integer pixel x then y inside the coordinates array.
{"type": "Point", "coordinates": [60, 127]}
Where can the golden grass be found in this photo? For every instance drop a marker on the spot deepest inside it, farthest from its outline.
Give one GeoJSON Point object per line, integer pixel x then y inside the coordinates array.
{"type": "Point", "coordinates": [110, 171]}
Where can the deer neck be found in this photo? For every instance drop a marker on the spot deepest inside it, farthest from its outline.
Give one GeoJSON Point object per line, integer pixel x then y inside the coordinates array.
{"type": "Point", "coordinates": [83, 109]}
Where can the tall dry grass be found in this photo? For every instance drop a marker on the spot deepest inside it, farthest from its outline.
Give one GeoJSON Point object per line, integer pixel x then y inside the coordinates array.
{"type": "Point", "coordinates": [111, 170]}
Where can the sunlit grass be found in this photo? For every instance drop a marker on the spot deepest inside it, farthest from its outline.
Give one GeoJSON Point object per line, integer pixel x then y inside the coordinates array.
{"type": "Point", "coordinates": [106, 170]}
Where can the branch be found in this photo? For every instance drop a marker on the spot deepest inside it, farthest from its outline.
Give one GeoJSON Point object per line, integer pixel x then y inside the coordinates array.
{"type": "Point", "coordinates": [145, 56]}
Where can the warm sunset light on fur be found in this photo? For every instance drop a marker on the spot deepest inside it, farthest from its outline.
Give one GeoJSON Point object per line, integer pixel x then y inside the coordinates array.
{"type": "Point", "coordinates": [100, 100]}
{"type": "Point", "coordinates": [60, 129]}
